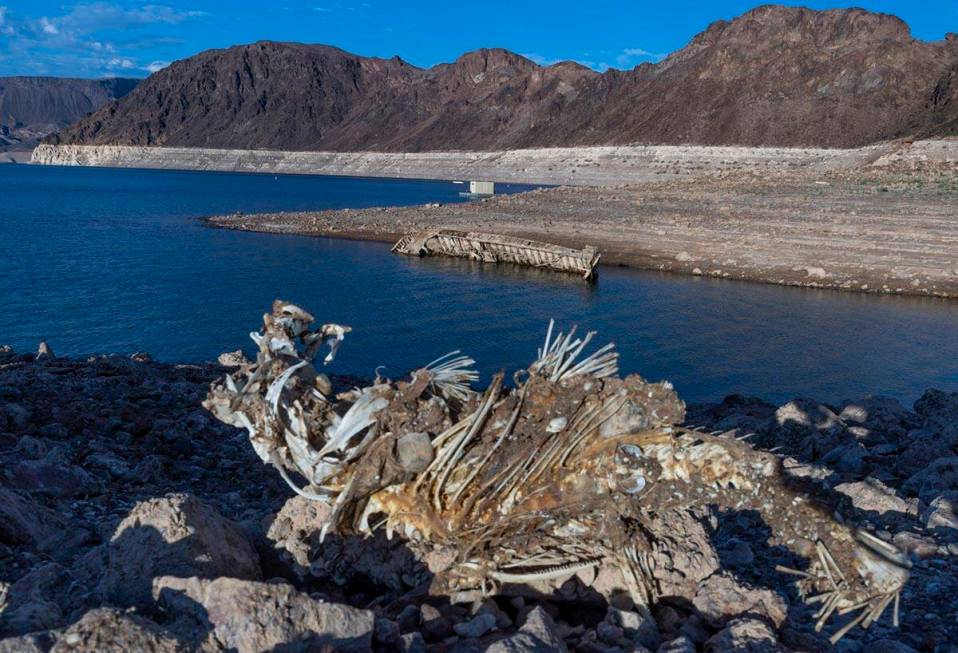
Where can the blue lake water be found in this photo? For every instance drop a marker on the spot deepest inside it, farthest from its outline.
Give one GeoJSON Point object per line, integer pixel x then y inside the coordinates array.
{"type": "Point", "coordinates": [117, 261]}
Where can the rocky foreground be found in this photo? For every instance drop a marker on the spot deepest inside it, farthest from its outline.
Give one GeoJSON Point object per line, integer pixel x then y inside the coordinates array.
{"type": "Point", "coordinates": [131, 520]}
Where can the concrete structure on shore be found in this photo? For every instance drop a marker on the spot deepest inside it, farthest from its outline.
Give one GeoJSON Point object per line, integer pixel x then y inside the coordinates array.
{"type": "Point", "coordinates": [581, 166]}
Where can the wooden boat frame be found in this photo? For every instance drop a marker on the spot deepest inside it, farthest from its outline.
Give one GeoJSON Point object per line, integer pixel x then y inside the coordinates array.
{"type": "Point", "coordinates": [494, 248]}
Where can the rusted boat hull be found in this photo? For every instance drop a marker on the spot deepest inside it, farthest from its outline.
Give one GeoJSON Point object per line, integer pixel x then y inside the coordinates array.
{"type": "Point", "coordinates": [492, 248]}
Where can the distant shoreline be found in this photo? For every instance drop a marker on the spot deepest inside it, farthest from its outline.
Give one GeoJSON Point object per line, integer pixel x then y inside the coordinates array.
{"type": "Point", "coordinates": [575, 166]}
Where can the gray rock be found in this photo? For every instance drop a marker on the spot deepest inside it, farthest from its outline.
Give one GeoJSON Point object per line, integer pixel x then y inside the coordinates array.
{"type": "Point", "coordinates": [105, 629]}
{"type": "Point", "coordinates": [386, 632]}
{"type": "Point", "coordinates": [408, 618]}
{"type": "Point", "coordinates": [637, 625]}
{"type": "Point", "coordinates": [25, 522]}
{"type": "Point", "coordinates": [745, 636]}
{"type": "Point", "coordinates": [883, 418]}
{"type": "Point", "coordinates": [232, 358]}
{"type": "Point", "coordinates": [538, 634]}
{"type": "Point", "coordinates": [872, 495]}
{"type": "Point", "coordinates": [341, 560]}
{"type": "Point", "coordinates": [609, 633]}
{"type": "Point", "coordinates": [44, 352]}
{"type": "Point", "coordinates": [435, 626]}
{"type": "Point", "coordinates": [807, 428]}
{"type": "Point", "coordinates": [721, 597]}
{"type": "Point", "coordinates": [412, 643]}
{"type": "Point", "coordinates": [53, 478]}
{"type": "Point", "coordinates": [32, 603]}
{"type": "Point", "coordinates": [915, 545]}
{"type": "Point", "coordinates": [414, 451]}
{"type": "Point", "coordinates": [174, 535]}
{"type": "Point", "coordinates": [32, 643]}
{"type": "Point", "coordinates": [942, 513]}
{"type": "Point", "coordinates": [940, 412]}
{"type": "Point", "coordinates": [678, 645]}
{"type": "Point", "coordinates": [254, 617]}
{"type": "Point", "coordinates": [935, 479]}
{"type": "Point", "coordinates": [477, 626]}
{"type": "Point", "coordinates": [848, 459]}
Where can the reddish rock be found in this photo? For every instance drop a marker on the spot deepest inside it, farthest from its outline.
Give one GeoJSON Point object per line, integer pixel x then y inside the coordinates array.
{"type": "Point", "coordinates": [252, 617]}
{"type": "Point", "coordinates": [174, 535]}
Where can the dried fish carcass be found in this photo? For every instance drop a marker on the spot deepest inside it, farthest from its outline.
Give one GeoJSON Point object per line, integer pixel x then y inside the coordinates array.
{"type": "Point", "coordinates": [564, 473]}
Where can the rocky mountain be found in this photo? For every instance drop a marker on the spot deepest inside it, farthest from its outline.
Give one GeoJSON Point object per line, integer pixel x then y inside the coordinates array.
{"type": "Point", "coordinates": [773, 76]}
{"type": "Point", "coordinates": [32, 107]}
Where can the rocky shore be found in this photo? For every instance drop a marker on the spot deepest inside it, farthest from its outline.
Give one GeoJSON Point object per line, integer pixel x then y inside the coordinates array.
{"type": "Point", "coordinates": [130, 519]}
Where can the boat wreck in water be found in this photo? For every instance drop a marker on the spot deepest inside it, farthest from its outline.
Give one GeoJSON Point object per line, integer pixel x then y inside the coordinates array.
{"type": "Point", "coordinates": [492, 248]}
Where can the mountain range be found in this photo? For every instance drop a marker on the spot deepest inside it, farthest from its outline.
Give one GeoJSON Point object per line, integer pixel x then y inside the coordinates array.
{"type": "Point", "coordinates": [774, 76]}
{"type": "Point", "coordinates": [32, 107]}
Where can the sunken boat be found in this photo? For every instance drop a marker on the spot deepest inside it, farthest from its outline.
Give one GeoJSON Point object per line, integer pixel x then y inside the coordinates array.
{"type": "Point", "coordinates": [493, 248]}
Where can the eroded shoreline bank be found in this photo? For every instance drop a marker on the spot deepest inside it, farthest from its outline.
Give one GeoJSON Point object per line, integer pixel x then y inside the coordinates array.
{"type": "Point", "coordinates": [884, 230]}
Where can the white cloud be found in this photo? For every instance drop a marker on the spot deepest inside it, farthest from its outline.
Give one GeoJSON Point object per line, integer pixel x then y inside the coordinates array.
{"type": "Point", "coordinates": [154, 66]}
{"type": "Point", "coordinates": [121, 62]}
{"type": "Point", "coordinates": [90, 39]}
{"type": "Point", "coordinates": [48, 27]}
{"type": "Point", "coordinates": [599, 66]}
{"type": "Point", "coordinates": [539, 59]}
{"type": "Point", "coordinates": [629, 57]}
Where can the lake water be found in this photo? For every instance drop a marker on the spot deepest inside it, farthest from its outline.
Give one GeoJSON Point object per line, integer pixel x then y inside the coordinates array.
{"type": "Point", "coordinates": [97, 260]}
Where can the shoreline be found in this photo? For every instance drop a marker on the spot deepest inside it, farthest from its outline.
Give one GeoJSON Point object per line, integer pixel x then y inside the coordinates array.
{"type": "Point", "coordinates": [579, 166]}
{"type": "Point", "coordinates": [881, 231]}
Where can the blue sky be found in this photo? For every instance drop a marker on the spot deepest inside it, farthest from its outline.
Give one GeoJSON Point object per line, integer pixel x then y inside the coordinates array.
{"type": "Point", "coordinates": [123, 38]}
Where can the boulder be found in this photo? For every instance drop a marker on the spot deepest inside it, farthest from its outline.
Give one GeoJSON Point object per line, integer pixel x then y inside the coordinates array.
{"type": "Point", "coordinates": [45, 352]}
{"type": "Point", "coordinates": [883, 418]}
{"type": "Point", "coordinates": [807, 429]}
{"type": "Point", "coordinates": [721, 598]}
{"type": "Point", "coordinates": [414, 451]}
{"type": "Point", "coordinates": [175, 535]}
{"type": "Point", "coordinates": [738, 415]}
{"type": "Point", "coordinates": [935, 479]}
{"type": "Point", "coordinates": [678, 645]}
{"type": "Point", "coordinates": [477, 626]}
{"type": "Point", "coordinates": [942, 513]}
{"type": "Point", "coordinates": [637, 625]}
{"type": "Point", "coordinates": [255, 617]}
{"type": "Point", "coordinates": [54, 478]}
{"type": "Point", "coordinates": [412, 643]}
{"type": "Point", "coordinates": [538, 634]}
{"type": "Point", "coordinates": [341, 560]}
{"type": "Point", "coordinates": [31, 603]}
{"type": "Point", "coordinates": [940, 413]}
{"type": "Point", "coordinates": [25, 522]}
{"type": "Point", "coordinates": [685, 555]}
{"type": "Point", "coordinates": [32, 643]}
{"type": "Point", "coordinates": [871, 495]}
{"type": "Point", "coordinates": [745, 636]}
{"type": "Point", "coordinates": [106, 629]}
